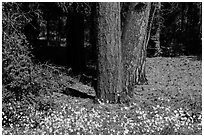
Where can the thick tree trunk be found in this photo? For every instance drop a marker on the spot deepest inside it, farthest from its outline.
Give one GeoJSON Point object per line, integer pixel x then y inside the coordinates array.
{"type": "Point", "coordinates": [109, 83]}
{"type": "Point", "coordinates": [134, 45]}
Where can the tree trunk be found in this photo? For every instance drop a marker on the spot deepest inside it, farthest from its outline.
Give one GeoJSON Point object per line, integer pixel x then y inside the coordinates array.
{"type": "Point", "coordinates": [48, 30]}
{"type": "Point", "coordinates": [134, 45]}
{"type": "Point", "coordinates": [182, 16]}
{"type": "Point", "coordinates": [109, 69]}
{"type": "Point", "coordinates": [158, 50]}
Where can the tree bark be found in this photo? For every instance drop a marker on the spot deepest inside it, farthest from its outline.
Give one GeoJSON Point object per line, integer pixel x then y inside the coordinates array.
{"type": "Point", "coordinates": [158, 50]}
{"type": "Point", "coordinates": [109, 69]}
{"type": "Point", "coordinates": [134, 46]}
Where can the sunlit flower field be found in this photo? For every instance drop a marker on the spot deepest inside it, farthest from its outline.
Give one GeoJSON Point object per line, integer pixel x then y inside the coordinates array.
{"type": "Point", "coordinates": [171, 104]}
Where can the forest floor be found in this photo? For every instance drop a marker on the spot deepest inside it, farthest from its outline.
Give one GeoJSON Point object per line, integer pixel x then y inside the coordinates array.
{"type": "Point", "coordinates": [170, 104]}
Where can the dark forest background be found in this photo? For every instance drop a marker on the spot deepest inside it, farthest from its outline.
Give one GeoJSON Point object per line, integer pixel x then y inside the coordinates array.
{"type": "Point", "coordinates": [63, 32]}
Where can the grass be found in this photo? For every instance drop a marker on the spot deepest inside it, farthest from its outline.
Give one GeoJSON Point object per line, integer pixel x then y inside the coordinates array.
{"type": "Point", "coordinates": [171, 104]}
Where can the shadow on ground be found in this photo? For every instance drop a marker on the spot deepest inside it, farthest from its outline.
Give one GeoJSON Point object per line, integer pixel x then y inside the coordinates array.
{"type": "Point", "coordinates": [76, 93]}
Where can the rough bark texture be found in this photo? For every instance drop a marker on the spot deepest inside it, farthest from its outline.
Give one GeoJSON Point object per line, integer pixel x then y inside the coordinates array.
{"type": "Point", "coordinates": [109, 83]}
{"type": "Point", "coordinates": [134, 45]}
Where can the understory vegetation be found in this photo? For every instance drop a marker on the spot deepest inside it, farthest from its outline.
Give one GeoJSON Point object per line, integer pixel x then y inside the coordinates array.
{"type": "Point", "coordinates": [171, 103]}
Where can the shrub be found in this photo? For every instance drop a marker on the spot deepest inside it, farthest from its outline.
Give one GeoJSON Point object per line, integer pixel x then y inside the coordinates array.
{"type": "Point", "coordinates": [20, 86]}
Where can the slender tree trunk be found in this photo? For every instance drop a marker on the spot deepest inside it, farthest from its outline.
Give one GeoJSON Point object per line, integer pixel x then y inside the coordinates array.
{"type": "Point", "coordinates": [59, 31]}
{"type": "Point", "coordinates": [48, 30]}
{"type": "Point", "coordinates": [150, 22]}
{"type": "Point", "coordinates": [182, 16]}
{"type": "Point", "coordinates": [109, 83]}
{"type": "Point", "coordinates": [158, 51]}
{"type": "Point", "coordinates": [134, 45]}
{"type": "Point", "coordinates": [200, 22]}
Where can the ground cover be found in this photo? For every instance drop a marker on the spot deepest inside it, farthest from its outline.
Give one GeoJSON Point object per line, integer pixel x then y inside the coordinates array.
{"type": "Point", "coordinates": [171, 103]}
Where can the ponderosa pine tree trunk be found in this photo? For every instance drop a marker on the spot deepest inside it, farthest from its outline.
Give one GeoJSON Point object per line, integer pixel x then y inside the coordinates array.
{"type": "Point", "coordinates": [134, 45]}
{"type": "Point", "coordinates": [108, 24]}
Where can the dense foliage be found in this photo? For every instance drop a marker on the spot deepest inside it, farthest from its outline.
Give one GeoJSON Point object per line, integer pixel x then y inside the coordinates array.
{"type": "Point", "coordinates": [25, 85]}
